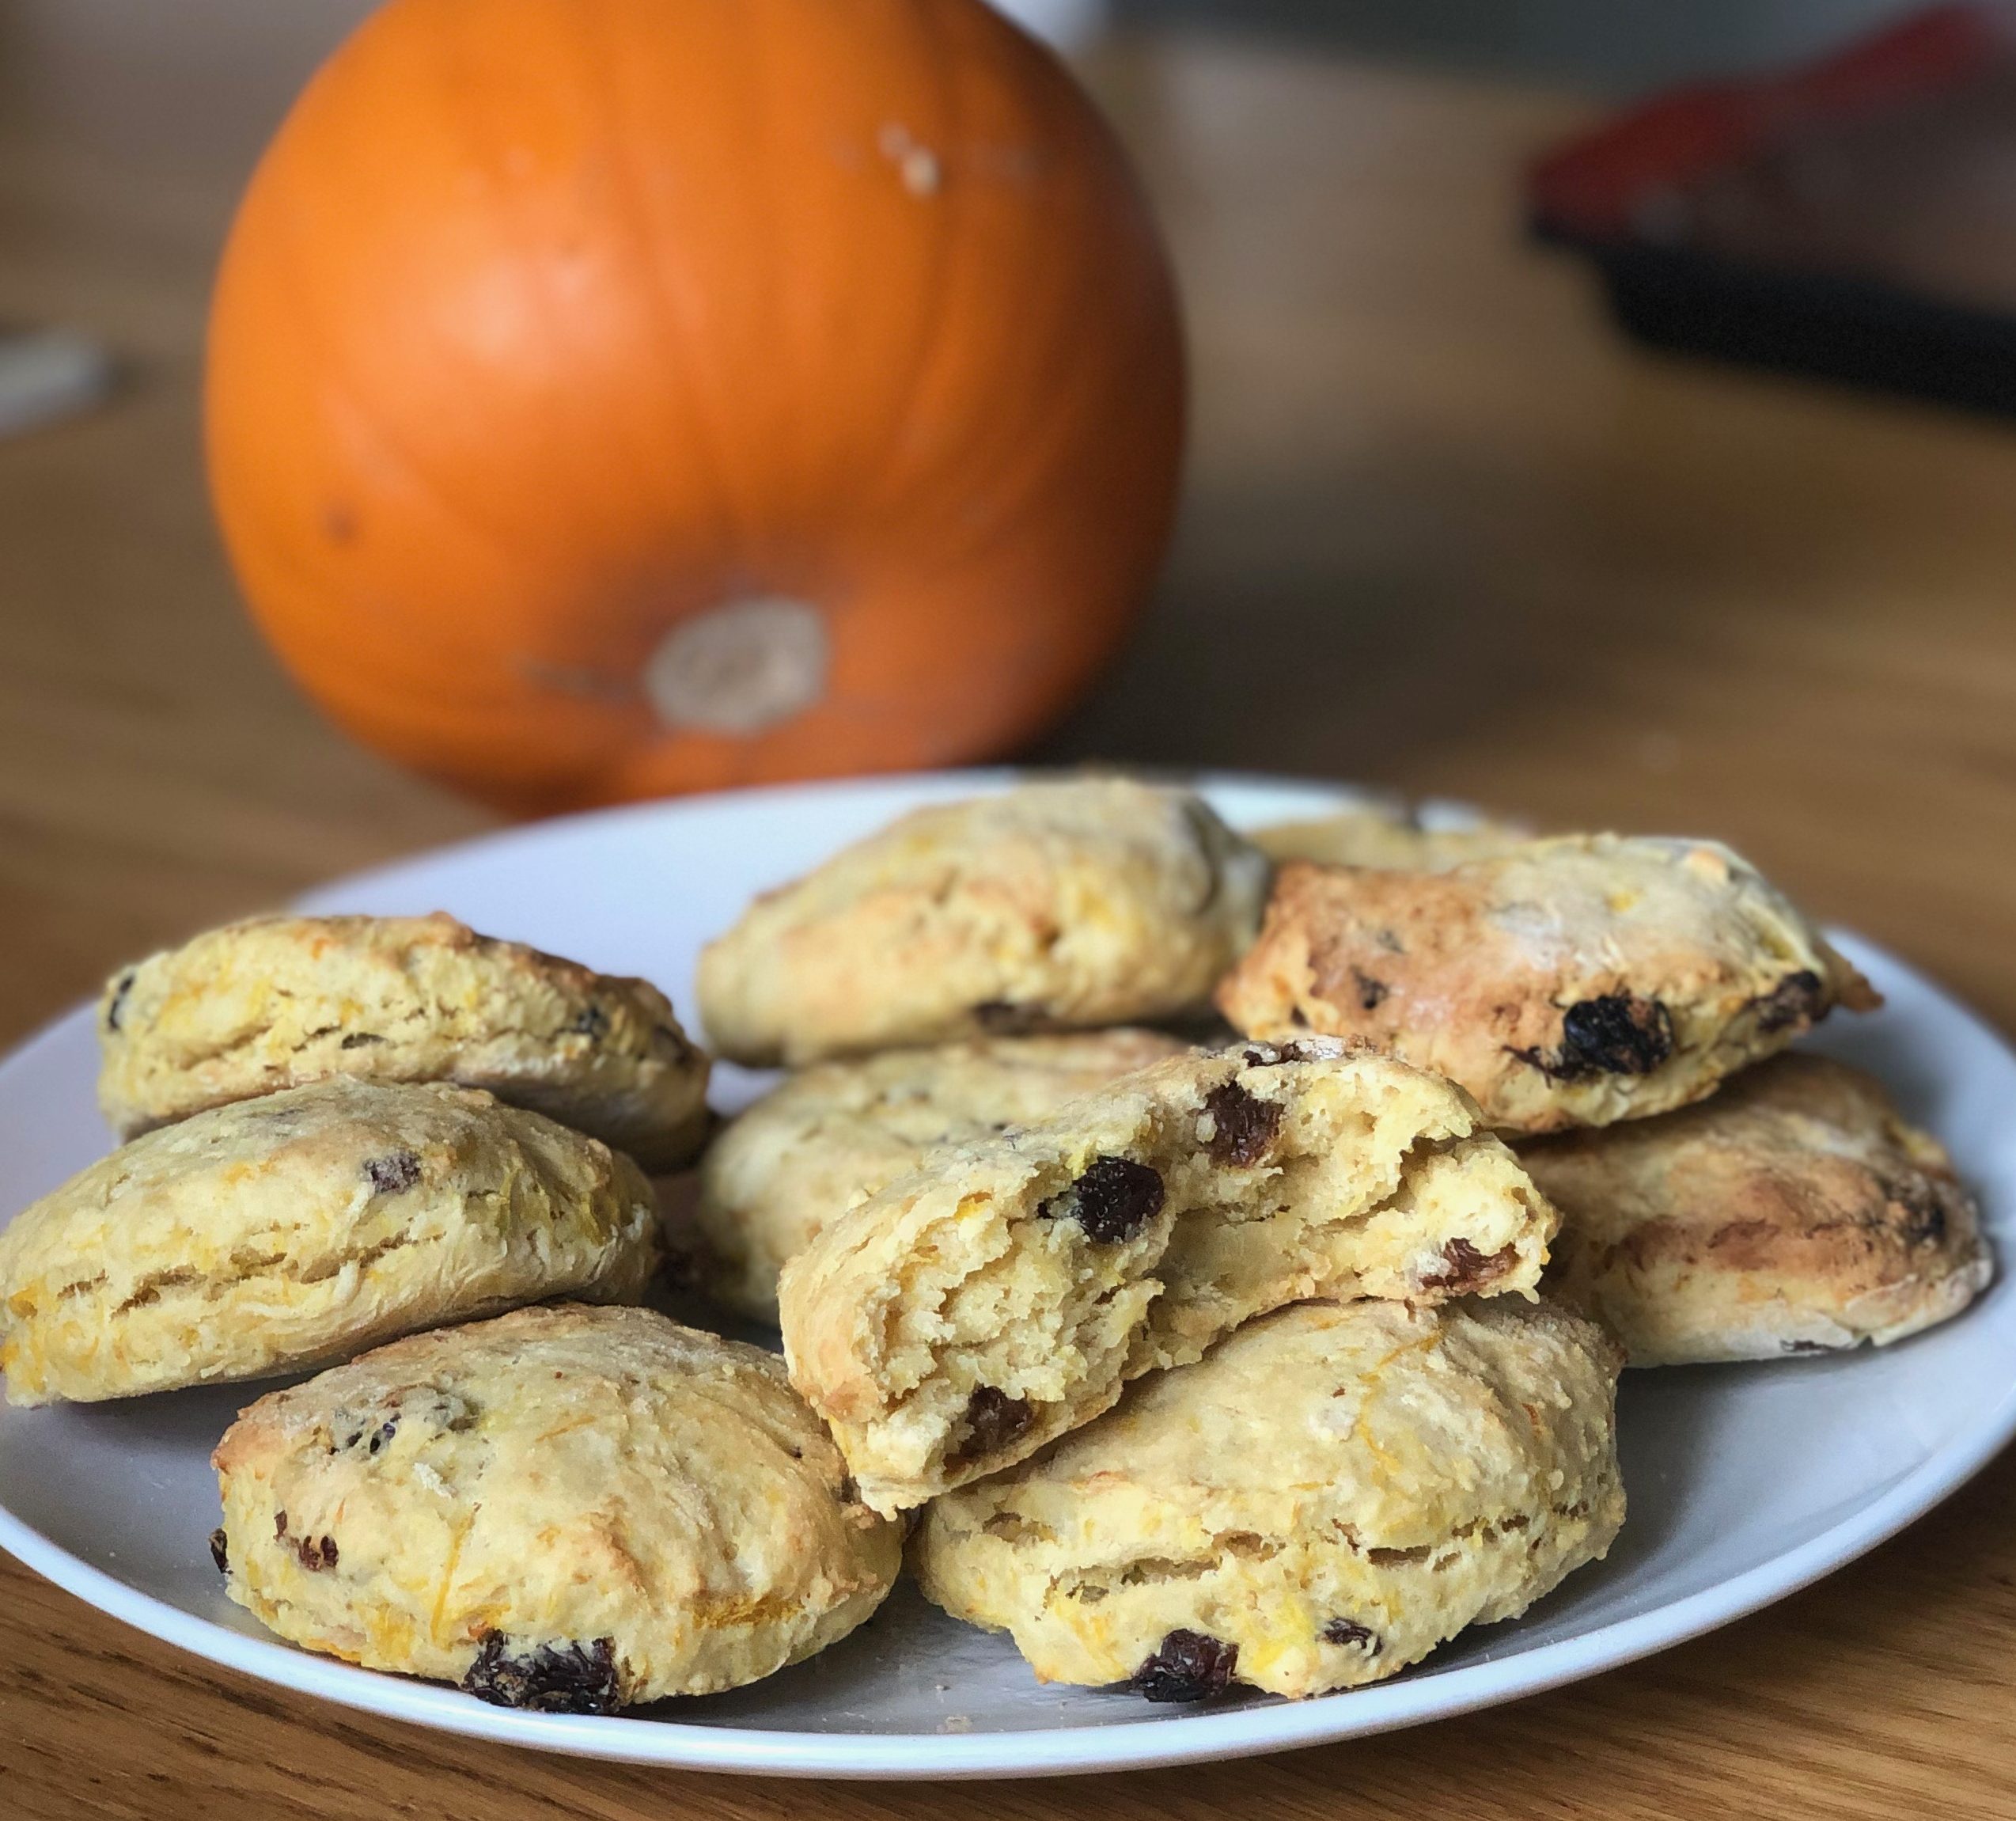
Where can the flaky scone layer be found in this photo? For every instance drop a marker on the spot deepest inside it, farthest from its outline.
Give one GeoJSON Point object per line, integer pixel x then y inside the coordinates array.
{"type": "Point", "coordinates": [1572, 981]}
{"type": "Point", "coordinates": [283, 1232]}
{"type": "Point", "coordinates": [258, 1007]}
{"type": "Point", "coordinates": [1004, 1292]}
{"type": "Point", "coordinates": [566, 1508]}
{"type": "Point", "coordinates": [1319, 1501]}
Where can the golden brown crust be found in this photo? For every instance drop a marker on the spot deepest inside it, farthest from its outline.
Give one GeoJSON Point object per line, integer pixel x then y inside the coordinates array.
{"type": "Point", "coordinates": [275, 1234]}
{"type": "Point", "coordinates": [1574, 981]}
{"type": "Point", "coordinates": [566, 1508]}
{"type": "Point", "coordinates": [258, 1007]}
{"type": "Point", "coordinates": [1058, 904]}
{"type": "Point", "coordinates": [1794, 1212]}
{"type": "Point", "coordinates": [1317, 1504]}
{"type": "Point", "coordinates": [1374, 837]}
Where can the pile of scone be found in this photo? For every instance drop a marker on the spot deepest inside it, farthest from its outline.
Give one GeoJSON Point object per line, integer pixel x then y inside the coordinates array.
{"type": "Point", "coordinates": [1190, 1357]}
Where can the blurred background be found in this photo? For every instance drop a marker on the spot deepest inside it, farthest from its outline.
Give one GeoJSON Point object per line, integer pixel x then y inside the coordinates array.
{"type": "Point", "coordinates": [1445, 528]}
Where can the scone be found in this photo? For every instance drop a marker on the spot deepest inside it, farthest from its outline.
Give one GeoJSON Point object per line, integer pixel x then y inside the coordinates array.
{"type": "Point", "coordinates": [833, 1134]}
{"type": "Point", "coordinates": [1318, 1503]}
{"type": "Point", "coordinates": [1373, 836]}
{"type": "Point", "coordinates": [1574, 981]}
{"type": "Point", "coordinates": [1004, 1293]}
{"type": "Point", "coordinates": [1794, 1212]}
{"type": "Point", "coordinates": [1087, 902]}
{"type": "Point", "coordinates": [258, 1007]}
{"type": "Point", "coordinates": [283, 1232]}
{"type": "Point", "coordinates": [566, 1508]}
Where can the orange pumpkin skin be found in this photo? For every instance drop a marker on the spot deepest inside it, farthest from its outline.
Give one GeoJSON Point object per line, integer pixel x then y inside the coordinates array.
{"type": "Point", "coordinates": [549, 328]}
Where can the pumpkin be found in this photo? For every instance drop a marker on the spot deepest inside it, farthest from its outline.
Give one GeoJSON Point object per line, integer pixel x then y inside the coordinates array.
{"type": "Point", "coordinates": [612, 398]}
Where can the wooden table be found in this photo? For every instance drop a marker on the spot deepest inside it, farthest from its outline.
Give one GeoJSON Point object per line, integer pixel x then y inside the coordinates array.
{"type": "Point", "coordinates": [1445, 532]}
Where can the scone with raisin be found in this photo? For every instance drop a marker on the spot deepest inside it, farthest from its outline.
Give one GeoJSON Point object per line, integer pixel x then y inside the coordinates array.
{"type": "Point", "coordinates": [1794, 1212]}
{"type": "Point", "coordinates": [282, 1232]}
{"type": "Point", "coordinates": [1004, 1292]}
{"type": "Point", "coordinates": [1572, 981]}
{"type": "Point", "coordinates": [1080, 902]}
{"type": "Point", "coordinates": [834, 1133]}
{"type": "Point", "coordinates": [258, 1007]}
{"type": "Point", "coordinates": [1319, 1502]}
{"type": "Point", "coordinates": [1372, 835]}
{"type": "Point", "coordinates": [567, 1508]}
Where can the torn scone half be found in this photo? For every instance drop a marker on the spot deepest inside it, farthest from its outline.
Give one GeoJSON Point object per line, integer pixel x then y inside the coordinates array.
{"type": "Point", "coordinates": [833, 1134]}
{"type": "Point", "coordinates": [1796, 1212]}
{"type": "Point", "coordinates": [1324, 1498]}
{"type": "Point", "coordinates": [569, 1509]}
{"type": "Point", "coordinates": [1005, 1292]}
{"type": "Point", "coordinates": [1577, 981]}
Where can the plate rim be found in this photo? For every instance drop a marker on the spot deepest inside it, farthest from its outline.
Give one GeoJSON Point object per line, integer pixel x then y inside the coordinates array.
{"type": "Point", "coordinates": [1028, 1752]}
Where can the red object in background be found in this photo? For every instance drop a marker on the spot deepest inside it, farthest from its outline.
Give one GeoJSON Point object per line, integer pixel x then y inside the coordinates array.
{"type": "Point", "coordinates": [1855, 217]}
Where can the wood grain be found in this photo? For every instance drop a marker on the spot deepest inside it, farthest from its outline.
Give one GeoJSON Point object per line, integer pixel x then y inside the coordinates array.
{"type": "Point", "coordinates": [1445, 532]}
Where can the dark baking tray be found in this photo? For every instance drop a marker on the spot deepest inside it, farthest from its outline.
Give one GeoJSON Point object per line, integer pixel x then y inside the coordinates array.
{"type": "Point", "coordinates": [1591, 196]}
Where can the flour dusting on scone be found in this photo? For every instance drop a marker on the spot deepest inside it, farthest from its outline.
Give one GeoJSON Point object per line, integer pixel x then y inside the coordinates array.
{"type": "Point", "coordinates": [833, 1134]}
{"type": "Point", "coordinates": [1004, 1293]}
{"type": "Point", "coordinates": [1053, 905]}
{"type": "Point", "coordinates": [569, 1509]}
{"type": "Point", "coordinates": [258, 1007]}
{"type": "Point", "coordinates": [1574, 981]}
{"type": "Point", "coordinates": [282, 1232]}
{"type": "Point", "coordinates": [1796, 1212]}
{"type": "Point", "coordinates": [1319, 1502]}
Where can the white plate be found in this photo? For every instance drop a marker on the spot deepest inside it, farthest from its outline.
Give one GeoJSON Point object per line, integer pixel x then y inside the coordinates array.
{"type": "Point", "coordinates": [1745, 1482]}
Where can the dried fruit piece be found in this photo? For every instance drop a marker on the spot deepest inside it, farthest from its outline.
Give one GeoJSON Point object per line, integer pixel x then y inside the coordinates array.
{"type": "Point", "coordinates": [1615, 1033]}
{"type": "Point", "coordinates": [994, 1419]}
{"type": "Point", "coordinates": [1187, 1666]}
{"type": "Point", "coordinates": [553, 1678]}
{"type": "Point", "coordinates": [1112, 1200]}
{"type": "Point", "coordinates": [1243, 1125]}
{"type": "Point", "coordinates": [1798, 999]}
{"type": "Point", "coordinates": [1348, 1632]}
{"type": "Point", "coordinates": [1466, 1268]}
{"type": "Point", "coordinates": [394, 1173]}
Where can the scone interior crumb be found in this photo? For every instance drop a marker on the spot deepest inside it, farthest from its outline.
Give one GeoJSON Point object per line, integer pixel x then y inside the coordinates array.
{"type": "Point", "coordinates": [1001, 1295]}
{"type": "Point", "coordinates": [834, 1133]}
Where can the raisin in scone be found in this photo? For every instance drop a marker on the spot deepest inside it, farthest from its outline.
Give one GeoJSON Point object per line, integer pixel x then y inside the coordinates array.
{"type": "Point", "coordinates": [834, 1133]}
{"type": "Point", "coordinates": [566, 1508]}
{"type": "Point", "coordinates": [1319, 1502]}
{"type": "Point", "coordinates": [282, 1232]}
{"type": "Point", "coordinates": [1004, 1292]}
{"type": "Point", "coordinates": [1374, 837]}
{"type": "Point", "coordinates": [1795, 1211]}
{"type": "Point", "coordinates": [257, 1007]}
{"type": "Point", "coordinates": [1088, 901]}
{"type": "Point", "coordinates": [1574, 981]}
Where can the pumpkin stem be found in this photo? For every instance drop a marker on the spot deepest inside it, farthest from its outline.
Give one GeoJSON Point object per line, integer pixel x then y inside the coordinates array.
{"type": "Point", "coordinates": [739, 668]}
